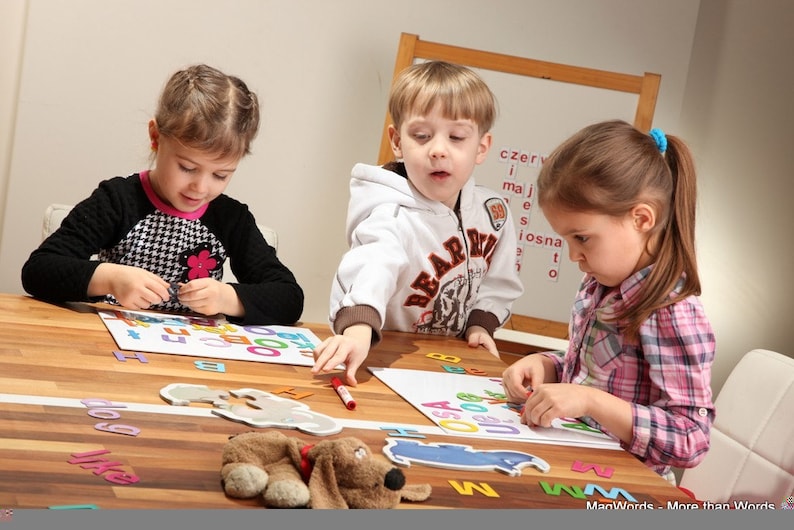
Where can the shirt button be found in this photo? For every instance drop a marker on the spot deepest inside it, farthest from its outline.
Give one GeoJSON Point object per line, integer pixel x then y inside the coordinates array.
{"type": "Point", "coordinates": [703, 412]}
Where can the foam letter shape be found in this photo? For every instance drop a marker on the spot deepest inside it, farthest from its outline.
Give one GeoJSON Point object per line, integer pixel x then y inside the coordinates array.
{"type": "Point", "coordinates": [183, 394]}
{"type": "Point", "coordinates": [268, 410]}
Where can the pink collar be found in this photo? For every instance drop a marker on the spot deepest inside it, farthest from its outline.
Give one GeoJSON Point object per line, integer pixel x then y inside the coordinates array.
{"type": "Point", "coordinates": [162, 206]}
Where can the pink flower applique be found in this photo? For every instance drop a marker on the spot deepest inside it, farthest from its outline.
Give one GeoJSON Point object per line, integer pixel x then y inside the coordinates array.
{"type": "Point", "coordinates": [201, 265]}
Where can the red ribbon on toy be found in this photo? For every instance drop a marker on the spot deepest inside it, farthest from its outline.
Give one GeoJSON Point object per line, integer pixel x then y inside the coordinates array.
{"type": "Point", "coordinates": [306, 466]}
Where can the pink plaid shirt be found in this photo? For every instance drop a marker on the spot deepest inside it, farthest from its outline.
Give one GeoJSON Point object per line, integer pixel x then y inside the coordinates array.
{"type": "Point", "coordinates": [666, 375]}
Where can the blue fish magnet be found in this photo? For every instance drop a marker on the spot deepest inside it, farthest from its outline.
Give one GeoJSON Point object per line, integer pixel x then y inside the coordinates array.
{"type": "Point", "coordinates": [461, 457]}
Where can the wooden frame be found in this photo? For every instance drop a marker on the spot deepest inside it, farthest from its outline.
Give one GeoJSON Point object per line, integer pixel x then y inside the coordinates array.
{"type": "Point", "coordinates": [646, 86]}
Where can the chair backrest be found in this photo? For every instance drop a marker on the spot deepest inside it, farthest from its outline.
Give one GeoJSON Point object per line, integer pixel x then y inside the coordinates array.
{"type": "Point", "coordinates": [53, 217]}
{"type": "Point", "coordinates": [55, 213]}
{"type": "Point", "coordinates": [752, 440]}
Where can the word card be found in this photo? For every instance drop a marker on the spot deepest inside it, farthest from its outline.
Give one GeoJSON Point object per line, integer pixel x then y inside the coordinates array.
{"type": "Point", "coordinates": [475, 406]}
{"type": "Point", "coordinates": [209, 337]}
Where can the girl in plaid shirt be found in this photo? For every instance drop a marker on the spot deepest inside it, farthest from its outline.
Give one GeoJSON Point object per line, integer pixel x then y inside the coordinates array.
{"type": "Point", "coordinates": [641, 347]}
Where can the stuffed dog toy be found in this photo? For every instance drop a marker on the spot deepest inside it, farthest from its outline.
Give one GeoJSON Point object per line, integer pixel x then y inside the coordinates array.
{"type": "Point", "coordinates": [331, 474]}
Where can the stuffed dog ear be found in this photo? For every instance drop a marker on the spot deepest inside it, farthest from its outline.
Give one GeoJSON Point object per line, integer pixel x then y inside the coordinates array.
{"type": "Point", "coordinates": [323, 489]}
{"type": "Point", "coordinates": [416, 492]}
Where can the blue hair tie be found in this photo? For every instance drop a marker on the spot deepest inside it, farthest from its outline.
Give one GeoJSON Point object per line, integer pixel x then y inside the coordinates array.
{"type": "Point", "coordinates": [660, 139]}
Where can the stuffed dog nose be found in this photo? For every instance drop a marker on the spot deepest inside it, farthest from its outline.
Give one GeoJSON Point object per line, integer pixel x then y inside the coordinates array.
{"type": "Point", "coordinates": [395, 479]}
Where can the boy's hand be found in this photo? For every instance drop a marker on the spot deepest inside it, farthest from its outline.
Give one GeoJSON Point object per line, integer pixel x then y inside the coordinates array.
{"type": "Point", "coordinates": [477, 336]}
{"type": "Point", "coordinates": [350, 349]}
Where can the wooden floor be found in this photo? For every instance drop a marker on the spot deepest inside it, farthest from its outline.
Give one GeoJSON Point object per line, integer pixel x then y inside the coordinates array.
{"type": "Point", "coordinates": [176, 454]}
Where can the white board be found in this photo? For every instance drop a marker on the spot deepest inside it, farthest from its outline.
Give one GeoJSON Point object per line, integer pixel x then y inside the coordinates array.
{"type": "Point", "coordinates": [535, 116]}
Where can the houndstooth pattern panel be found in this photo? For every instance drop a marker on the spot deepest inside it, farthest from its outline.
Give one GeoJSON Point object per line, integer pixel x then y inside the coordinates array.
{"type": "Point", "coordinates": [174, 248]}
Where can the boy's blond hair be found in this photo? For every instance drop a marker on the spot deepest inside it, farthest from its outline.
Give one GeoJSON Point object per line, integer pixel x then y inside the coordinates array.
{"type": "Point", "coordinates": [461, 92]}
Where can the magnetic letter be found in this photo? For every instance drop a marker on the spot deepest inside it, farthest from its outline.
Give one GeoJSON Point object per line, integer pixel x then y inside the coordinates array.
{"type": "Point", "coordinates": [467, 488]}
{"type": "Point", "coordinates": [210, 366]}
{"type": "Point", "coordinates": [291, 392]}
{"type": "Point", "coordinates": [118, 428]}
{"type": "Point", "coordinates": [581, 467]}
{"type": "Point", "coordinates": [401, 431]}
{"type": "Point", "coordinates": [442, 357]}
{"type": "Point", "coordinates": [121, 478]}
{"type": "Point", "coordinates": [122, 357]}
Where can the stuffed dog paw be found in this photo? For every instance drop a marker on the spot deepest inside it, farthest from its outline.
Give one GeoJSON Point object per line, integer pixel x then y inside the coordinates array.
{"type": "Point", "coordinates": [332, 474]}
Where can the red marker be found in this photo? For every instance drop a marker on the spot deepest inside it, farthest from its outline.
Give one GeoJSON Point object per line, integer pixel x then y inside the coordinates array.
{"type": "Point", "coordinates": [343, 393]}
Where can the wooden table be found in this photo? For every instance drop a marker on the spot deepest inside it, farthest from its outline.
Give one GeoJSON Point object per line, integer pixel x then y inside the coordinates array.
{"type": "Point", "coordinates": [52, 357]}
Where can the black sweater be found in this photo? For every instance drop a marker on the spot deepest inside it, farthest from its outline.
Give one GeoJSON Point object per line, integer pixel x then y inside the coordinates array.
{"type": "Point", "coordinates": [120, 224]}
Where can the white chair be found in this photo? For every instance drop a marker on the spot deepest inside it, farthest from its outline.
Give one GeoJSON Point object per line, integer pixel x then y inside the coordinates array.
{"type": "Point", "coordinates": [55, 214]}
{"type": "Point", "coordinates": [53, 217]}
{"type": "Point", "coordinates": [752, 439]}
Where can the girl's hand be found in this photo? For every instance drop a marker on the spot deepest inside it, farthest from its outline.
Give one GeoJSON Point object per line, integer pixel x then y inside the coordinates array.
{"type": "Point", "coordinates": [561, 400]}
{"type": "Point", "coordinates": [208, 296]}
{"type": "Point", "coordinates": [527, 373]}
{"type": "Point", "coordinates": [132, 287]}
{"type": "Point", "coordinates": [570, 400]}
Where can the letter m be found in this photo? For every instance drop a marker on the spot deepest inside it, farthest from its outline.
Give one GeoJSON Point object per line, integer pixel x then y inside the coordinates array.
{"type": "Point", "coordinates": [468, 488]}
{"type": "Point", "coordinates": [574, 491]}
{"type": "Point", "coordinates": [581, 467]}
{"type": "Point", "coordinates": [612, 494]}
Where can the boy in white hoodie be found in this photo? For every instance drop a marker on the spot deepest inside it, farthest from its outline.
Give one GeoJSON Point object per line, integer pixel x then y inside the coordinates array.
{"type": "Point", "coordinates": [430, 251]}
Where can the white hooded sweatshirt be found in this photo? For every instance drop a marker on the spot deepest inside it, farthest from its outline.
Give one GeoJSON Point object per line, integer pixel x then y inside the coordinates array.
{"type": "Point", "coordinates": [418, 265]}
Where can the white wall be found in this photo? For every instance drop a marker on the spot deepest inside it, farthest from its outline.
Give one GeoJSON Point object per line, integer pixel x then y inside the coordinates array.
{"type": "Point", "coordinates": [91, 71]}
{"type": "Point", "coordinates": [322, 69]}
{"type": "Point", "coordinates": [738, 114]}
{"type": "Point", "coordinates": [12, 27]}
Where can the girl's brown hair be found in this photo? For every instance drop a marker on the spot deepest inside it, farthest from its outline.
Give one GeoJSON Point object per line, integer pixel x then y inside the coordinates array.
{"type": "Point", "coordinates": [610, 167]}
{"type": "Point", "coordinates": [203, 108]}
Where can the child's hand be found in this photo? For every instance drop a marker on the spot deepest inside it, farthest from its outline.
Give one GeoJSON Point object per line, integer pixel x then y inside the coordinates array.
{"type": "Point", "coordinates": [529, 372]}
{"type": "Point", "coordinates": [548, 402]}
{"type": "Point", "coordinates": [350, 348]}
{"type": "Point", "coordinates": [132, 287]}
{"type": "Point", "coordinates": [478, 336]}
{"type": "Point", "coordinates": [208, 296]}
